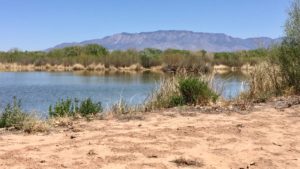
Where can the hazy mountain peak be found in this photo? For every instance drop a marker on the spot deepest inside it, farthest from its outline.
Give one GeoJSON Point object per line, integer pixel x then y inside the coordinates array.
{"type": "Point", "coordinates": [179, 39]}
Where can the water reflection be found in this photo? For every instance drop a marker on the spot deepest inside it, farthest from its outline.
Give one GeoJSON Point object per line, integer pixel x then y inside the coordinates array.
{"type": "Point", "coordinates": [38, 90]}
{"type": "Point", "coordinates": [231, 84]}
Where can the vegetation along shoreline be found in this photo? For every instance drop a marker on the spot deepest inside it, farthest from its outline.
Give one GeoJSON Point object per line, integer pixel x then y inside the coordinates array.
{"type": "Point", "coordinates": [94, 57]}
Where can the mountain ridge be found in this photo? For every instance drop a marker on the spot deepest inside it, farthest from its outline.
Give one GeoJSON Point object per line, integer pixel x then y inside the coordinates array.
{"type": "Point", "coordinates": [178, 39]}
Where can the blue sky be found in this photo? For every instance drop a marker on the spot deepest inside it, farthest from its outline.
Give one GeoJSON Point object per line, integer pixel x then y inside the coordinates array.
{"type": "Point", "coordinates": [39, 24]}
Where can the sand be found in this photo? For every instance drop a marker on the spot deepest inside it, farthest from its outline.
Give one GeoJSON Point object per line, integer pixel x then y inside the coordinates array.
{"type": "Point", "coordinates": [265, 138]}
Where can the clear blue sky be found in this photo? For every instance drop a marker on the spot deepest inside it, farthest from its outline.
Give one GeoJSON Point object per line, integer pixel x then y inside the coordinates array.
{"type": "Point", "coordinates": [39, 24]}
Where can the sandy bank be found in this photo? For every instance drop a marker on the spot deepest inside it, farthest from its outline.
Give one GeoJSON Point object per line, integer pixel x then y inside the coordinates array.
{"type": "Point", "coordinates": [264, 138]}
{"type": "Point", "coordinates": [223, 69]}
{"type": "Point", "coordinates": [14, 67]}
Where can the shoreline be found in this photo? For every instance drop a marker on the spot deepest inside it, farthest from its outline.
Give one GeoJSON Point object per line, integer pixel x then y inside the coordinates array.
{"type": "Point", "coordinates": [162, 139]}
{"type": "Point", "coordinates": [14, 67]}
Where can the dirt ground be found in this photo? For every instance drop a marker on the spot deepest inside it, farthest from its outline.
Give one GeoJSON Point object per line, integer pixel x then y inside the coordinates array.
{"type": "Point", "coordinates": [266, 138]}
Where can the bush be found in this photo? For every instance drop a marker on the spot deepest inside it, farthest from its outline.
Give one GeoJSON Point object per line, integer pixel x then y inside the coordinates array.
{"type": "Point", "coordinates": [150, 57]}
{"type": "Point", "coordinates": [176, 91]}
{"type": "Point", "coordinates": [89, 108]}
{"type": "Point", "coordinates": [13, 115]}
{"type": "Point", "coordinates": [176, 100]}
{"type": "Point", "coordinates": [289, 61]}
{"type": "Point", "coordinates": [196, 91]}
{"type": "Point", "coordinates": [63, 108]}
{"type": "Point", "coordinates": [70, 108]}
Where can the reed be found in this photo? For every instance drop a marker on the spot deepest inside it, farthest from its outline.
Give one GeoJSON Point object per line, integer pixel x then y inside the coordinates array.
{"type": "Point", "coordinates": [265, 81]}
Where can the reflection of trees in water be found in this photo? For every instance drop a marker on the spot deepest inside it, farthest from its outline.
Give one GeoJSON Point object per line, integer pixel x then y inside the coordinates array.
{"type": "Point", "coordinates": [233, 75]}
{"type": "Point", "coordinates": [119, 77]}
{"type": "Point", "coordinates": [231, 84]}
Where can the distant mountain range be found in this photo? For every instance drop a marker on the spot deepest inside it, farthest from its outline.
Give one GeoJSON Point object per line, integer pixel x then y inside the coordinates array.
{"type": "Point", "coordinates": [187, 40]}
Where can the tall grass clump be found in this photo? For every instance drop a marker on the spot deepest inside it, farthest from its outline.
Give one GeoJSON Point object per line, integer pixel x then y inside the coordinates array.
{"type": "Point", "coordinates": [124, 111]}
{"type": "Point", "coordinates": [14, 117]}
{"type": "Point", "coordinates": [71, 108]}
{"type": "Point", "coordinates": [122, 108]}
{"type": "Point", "coordinates": [265, 81]}
{"type": "Point", "coordinates": [164, 95]}
{"type": "Point", "coordinates": [178, 91]}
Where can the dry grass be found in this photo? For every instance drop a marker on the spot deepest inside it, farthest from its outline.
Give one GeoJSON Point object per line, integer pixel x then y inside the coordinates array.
{"type": "Point", "coordinates": [169, 88]}
{"type": "Point", "coordinates": [61, 121]}
{"type": "Point", "coordinates": [34, 125]}
{"type": "Point", "coordinates": [265, 81]}
{"type": "Point", "coordinates": [160, 97]}
{"type": "Point", "coordinates": [78, 67]}
{"type": "Point", "coordinates": [123, 111]}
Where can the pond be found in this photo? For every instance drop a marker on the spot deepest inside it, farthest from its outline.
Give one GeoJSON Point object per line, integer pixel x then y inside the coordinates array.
{"type": "Point", "coordinates": [38, 90]}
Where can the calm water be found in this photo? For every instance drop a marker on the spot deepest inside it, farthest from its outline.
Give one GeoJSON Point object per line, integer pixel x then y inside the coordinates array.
{"type": "Point", "coordinates": [38, 90]}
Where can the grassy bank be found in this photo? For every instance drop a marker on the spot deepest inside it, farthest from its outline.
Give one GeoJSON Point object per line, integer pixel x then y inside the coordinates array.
{"type": "Point", "coordinates": [97, 58]}
{"type": "Point", "coordinates": [172, 92]}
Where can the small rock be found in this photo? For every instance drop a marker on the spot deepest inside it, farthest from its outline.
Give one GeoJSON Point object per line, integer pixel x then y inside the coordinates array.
{"type": "Point", "coordinates": [140, 125]}
{"type": "Point", "coordinates": [42, 161]}
{"type": "Point", "coordinates": [64, 166]}
{"type": "Point", "coordinates": [76, 130]}
{"type": "Point", "coordinates": [91, 153]}
{"type": "Point", "coordinates": [152, 156]}
{"type": "Point", "coordinates": [252, 163]}
{"type": "Point", "coordinates": [240, 125]}
{"type": "Point", "coordinates": [72, 137]}
{"type": "Point", "coordinates": [276, 144]}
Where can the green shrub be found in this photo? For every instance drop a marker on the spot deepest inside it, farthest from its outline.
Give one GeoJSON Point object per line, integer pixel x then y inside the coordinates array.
{"type": "Point", "coordinates": [196, 91]}
{"type": "Point", "coordinates": [176, 101]}
{"type": "Point", "coordinates": [88, 108]}
{"type": "Point", "coordinates": [289, 61]}
{"type": "Point", "coordinates": [150, 57]}
{"type": "Point", "coordinates": [70, 108]}
{"type": "Point", "coordinates": [63, 108]}
{"type": "Point", "coordinates": [13, 115]}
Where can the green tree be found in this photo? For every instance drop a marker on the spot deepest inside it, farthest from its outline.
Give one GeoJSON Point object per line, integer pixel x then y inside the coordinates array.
{"type": "Point", "coordinates": [95, 50]}
{"type": "Point", "coordinates": [72, 51]}
{"type": "Point", "coordinates": [150, 57]}
{"type": "Point", "coordinates": [289, 57]}
{"type": "Point", "coordinates": [292, 26]}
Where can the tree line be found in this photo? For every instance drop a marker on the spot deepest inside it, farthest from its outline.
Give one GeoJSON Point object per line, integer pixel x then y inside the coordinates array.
{"type": "Point", "coordinates": [149, 57]}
